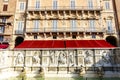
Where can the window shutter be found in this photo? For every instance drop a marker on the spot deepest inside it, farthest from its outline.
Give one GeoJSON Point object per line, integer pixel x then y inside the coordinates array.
{"type": "Point", "coordinates": [5, 6]}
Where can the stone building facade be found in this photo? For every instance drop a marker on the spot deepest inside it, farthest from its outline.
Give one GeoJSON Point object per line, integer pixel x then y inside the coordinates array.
{"type": "Point", "coordinates": [7, 11]}
{"type": "Point", "coordinates": [56, 20]}
{"type": "Point", "coordinates": [47, 35]}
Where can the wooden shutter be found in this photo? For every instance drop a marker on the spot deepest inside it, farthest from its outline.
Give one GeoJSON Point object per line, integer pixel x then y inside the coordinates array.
{"type": "Point", "coordinates": [5, 6]}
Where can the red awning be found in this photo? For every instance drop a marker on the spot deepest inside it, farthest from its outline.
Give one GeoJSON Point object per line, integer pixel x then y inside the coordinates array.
{"type": "Point", "coordinates": [63, 44]}
{"type": "Point", "coordinates": [41, 44]}
{"type": "Point", "coordinates": [88, 44]}
{"type": "Point", "coordinates": [4, 46]}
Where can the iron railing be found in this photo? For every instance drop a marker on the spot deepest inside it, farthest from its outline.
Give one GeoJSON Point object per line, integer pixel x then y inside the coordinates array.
{"type": "Point", "coordinates": [64, 29]}
{"type": "Point", "coordinates": [19, 32]}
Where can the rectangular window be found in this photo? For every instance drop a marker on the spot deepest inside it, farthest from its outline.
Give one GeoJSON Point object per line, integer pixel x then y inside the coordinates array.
{"type": "Point", "coordinates": [92, 25]}
{"type": "Point", "coordinates": [36, 25]}
{"type": "Point", "coordinates": [5, 7]}
{"type": "Point", "coordinates": [4, 19]}
{"type": "Point", "coordinates": [73, 25]}
{"type": "Point", "coordinates": [72, 4]}
{"type": "Point", "coordinates": [35, 36]}
{"type": "Point", "coordinates": [107, 5]}
{"type": "Point", "coordinates": [1, 38]}
{"type": "Point", "coordinates": [20, 27]}
{"type": "Point", "coordinates": [22, 6]}
{"type": "Point", "coordinates": [37, 5]}
{"type": "Point", "coordinates": [2, 29]}
{"type": "Point", "coordinates": [55, 4]}
{"type": "Point", "coordinates": [54, 25]}
{"type": "Point", "coordinates": [90, 4]}
{"type": "Point", "coordinates": [74, 36]}
{"type": "Point", "coordinates": [54, 36]}
{"type": "Point", "coordinates": [93, 36]}
{"type": "Point", "coordinates": [109, 25]}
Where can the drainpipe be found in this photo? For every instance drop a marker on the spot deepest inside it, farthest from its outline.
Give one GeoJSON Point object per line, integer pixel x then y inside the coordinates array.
{"type": "Point", "coordinates": [24, 30]}
{"type": "Point", "coordinates": [25, 20]}
{"type": "Point", "coordinates": [116, 21]}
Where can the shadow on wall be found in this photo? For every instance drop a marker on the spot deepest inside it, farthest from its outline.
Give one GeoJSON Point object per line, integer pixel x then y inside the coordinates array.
{"type": "Point", "coordinates": [112, 40]}
{"type": "Point", "coordinates": [18, 40]}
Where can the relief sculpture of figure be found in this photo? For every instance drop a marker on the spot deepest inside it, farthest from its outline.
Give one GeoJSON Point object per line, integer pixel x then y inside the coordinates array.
{"type": "Point", "coordinates": [51, 57]}
{"type": "Point", "coordinates": [62, 58]}
{"type": "Point", "coordinates": [3, 58]}
{"type": "Point", "coordinates": [36, 59]}
{"type": "Point", "coordinates": [106, 57]}
{"type": "Point", "coordinates": [19, 58]}
{"type": "Point", "coordinates": [87, 57]}
{"type": "Point", "coordinates": [71, 59]}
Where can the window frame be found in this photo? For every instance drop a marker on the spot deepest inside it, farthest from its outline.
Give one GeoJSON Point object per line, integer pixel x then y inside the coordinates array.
{"type": "Point", "coordinates": [2, 28]}
{"type": "Point", "coordinates": [1, 37]}
{"type": "Point", "coordinates": [92, 25]}
{"type": "Point", "coordinates": [55, 4]}
{"type": "Point", "coordinates": [22, 6]}
{"type": "Point", "coordinates": [73, 24]}
{"type": "Point", "coordinates": [55, 25]}
{"type": "Point", "coordinates": [20, 26]}
{"type": "Point", "coordinates": [72, 4]}
{"type": "Point", "coordinates": [36, 25]}
{"type": "Point", "coordinates": [109, 25]}
{"type": "Point", "coordinates": [90, 4]}
{"type": "Point", "coordinates": [107, 5]}
{"type": "Point", "coordinates": [37, 4]}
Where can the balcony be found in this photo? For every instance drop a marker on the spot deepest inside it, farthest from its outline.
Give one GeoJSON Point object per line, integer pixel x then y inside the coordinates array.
{"type": "Point", "coordinates": [19, 32]}
{"type": "Point", "coordinates": [78, 12]}
{"type": "Point", "coordinates": [8, 22]}
{"type": "Point", "coordinates": [6, 13]}
{"type": "Point", "coordinates": [62, 29]}
{"type": "Point", "coordinates": [6, 31]}
{"type": "Point", "coordinates": [60, 8]}
{"type": "Point", "coordinates": [110, 31]}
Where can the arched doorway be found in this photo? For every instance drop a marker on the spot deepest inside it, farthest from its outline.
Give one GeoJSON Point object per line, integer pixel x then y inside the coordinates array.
{"type": "Point", "coordinates": [18, 40]}
{"type": "Point", "coordinates": [112, 40]}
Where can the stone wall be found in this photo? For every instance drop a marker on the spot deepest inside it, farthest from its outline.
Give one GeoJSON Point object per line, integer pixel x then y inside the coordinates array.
{"type": "Point", "coordinates": [61, 61]}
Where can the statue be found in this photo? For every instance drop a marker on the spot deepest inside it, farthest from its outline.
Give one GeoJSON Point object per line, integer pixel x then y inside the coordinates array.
{"type": "Point", "coordinates": [36, 59]}
{"type": "Point", "coordinates": [71, 57]}
{"type": "Point", "coordinates": [3, 58]}
{"type": "Point", "coordinates": [19, 58]}
{"type": "Point", "coordinates": [106, 57]}
{"type": "Point", "coordinates": [87, 57]}
{"type": "Point", "coordinates": [51, 57]}
{"type": "Point", "coordinates": [62, 58]}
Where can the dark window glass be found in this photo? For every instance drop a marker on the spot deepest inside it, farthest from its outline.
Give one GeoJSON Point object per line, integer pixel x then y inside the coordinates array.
{"type": "Point", "coordinates": [54, 37]}
{"type": "Point", "coordinates": [74, 36]}
{"type": "Point", "coordinates": [35, 36]}
{"type": "Point", "coordinates": [93, 36]}
{"type": "Point", "coordinates": [1, 38]}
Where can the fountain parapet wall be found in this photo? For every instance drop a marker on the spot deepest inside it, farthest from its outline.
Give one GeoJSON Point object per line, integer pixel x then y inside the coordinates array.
{"type": "Point", "coordinates": [80, 62]}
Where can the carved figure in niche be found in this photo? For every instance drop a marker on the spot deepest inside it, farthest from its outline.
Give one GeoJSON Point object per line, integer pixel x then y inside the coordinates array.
{"type": "Point", "coordinates": [62, 58]}
{"type": "Point", "coordinates": [71, 58]}
{"type": "Point", "coordinates": [3, 58]}
{"type": "Point", "coordinates": [36, 58]}
{"type": "Point", "coordinates": [87, 57]}
{"type": "Point", "coordinates": [51, 57]}
{"type": "Point", "coordinates": [106, 57]}
{"type": "Point", "coordinates": [19, 58]}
